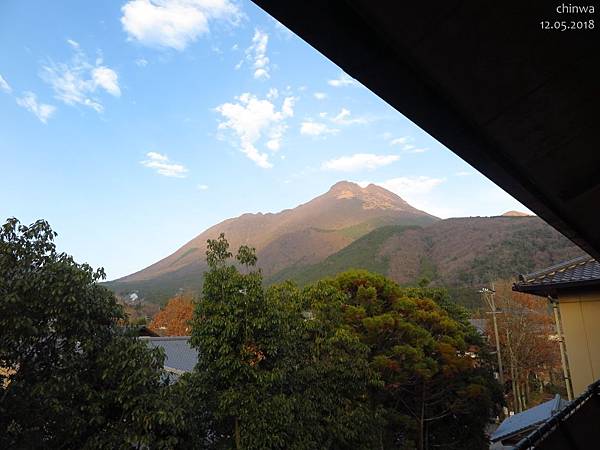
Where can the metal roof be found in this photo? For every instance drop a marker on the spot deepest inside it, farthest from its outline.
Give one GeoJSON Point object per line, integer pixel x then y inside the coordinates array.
{"type": "Point", "coordinates": [179, 355]}
{"type": "Point", "coordinates": [578, 272]}
{"type": "Point", "coordinates": [532, 417]}
{"type": "Point", "coordinates": [573, 427]}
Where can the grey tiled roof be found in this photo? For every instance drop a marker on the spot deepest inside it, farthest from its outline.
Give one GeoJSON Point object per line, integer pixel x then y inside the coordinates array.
{"type": "Point", "coordinates": [179, 355]}
{"type": "Point", "coordinates": [582, 270]}
{"type": "Point", "coordinates": [529, 418]}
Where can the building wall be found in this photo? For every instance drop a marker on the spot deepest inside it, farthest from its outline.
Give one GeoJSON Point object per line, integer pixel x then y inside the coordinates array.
{"type": "Point", "coordinates": [580, 315]}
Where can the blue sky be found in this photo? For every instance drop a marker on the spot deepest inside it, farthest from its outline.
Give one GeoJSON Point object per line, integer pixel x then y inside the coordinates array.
{"type": "Point", "coordinates": [134, 125]}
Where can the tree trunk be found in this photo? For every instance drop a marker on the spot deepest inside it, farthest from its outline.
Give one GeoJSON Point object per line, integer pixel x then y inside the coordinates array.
{"type": "Point", "coordinates": [421, 437]}
{"type": "Point", "coordinates": [519, 397]}
{"type": "Point", "coordinates": [238, 444]}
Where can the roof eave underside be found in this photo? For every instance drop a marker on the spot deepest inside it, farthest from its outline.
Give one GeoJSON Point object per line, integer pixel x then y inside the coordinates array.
{"type": "Point", "coordinates": [543, 290]}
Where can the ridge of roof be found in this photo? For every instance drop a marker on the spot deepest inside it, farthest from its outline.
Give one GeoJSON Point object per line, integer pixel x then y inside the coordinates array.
{"type": "Point", "coordinates": [560, 267]}
{"type": "Point", "coordinates": [534, 416]}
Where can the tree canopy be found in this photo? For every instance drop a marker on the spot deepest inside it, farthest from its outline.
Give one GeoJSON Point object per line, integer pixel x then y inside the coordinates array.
{"type": "Point", "coordinates": [353, 361]}
{"type": "Point", "coordinates": [73, 378]}
{"type": "Point", "coordinates": [350, 362]}
{"type": "Point", "coordinates": [175, 318]}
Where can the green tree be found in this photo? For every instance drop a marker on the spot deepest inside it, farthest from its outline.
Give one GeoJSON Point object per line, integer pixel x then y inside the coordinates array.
{"type": "Point", "coordinates": [72, 378]}
{"type": "Point", "coordinates": [434, 393]}
{"type": "Point", "coordinates": [273, 372]}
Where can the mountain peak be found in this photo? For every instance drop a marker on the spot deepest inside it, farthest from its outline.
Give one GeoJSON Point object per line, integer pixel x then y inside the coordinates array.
{"type": "Point", "coordinates": [305, 234]}
{"type": "Point", "coordinates": [371, 196]}
{"type": "Point", "coordinates": [345, 185]}
{"type": "Point", "coordinates": [515, 214]}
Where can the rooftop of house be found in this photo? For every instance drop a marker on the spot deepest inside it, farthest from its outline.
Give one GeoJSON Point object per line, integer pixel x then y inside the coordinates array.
{"type": "Point", "coordinates": [180, 357]}
{"type": "Point", "coordinates": [578, 272]}
{"type": "Point", "coordinates": [533, 417]}
{"type": "Point", "coordinates": [574, 427]}
{"type": "Point", "coordinates": [479, 324]}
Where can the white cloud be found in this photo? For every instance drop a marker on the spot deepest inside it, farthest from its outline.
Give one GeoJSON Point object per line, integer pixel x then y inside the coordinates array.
{"type": "Point", "coordinates": [320, 95]}
{"type": "Point", "coordinates": [157, 156]}
{"type": "Point", "coordinates": [359, 161]}
{"type": "Point", "coordinates": [272, 94]}
{"type": "Point", "coordinates": [202, 187]}
{"type": "Point", "coordinates": [161, 164]}
{"type": "Point", "coordinates": [141, 62]}
{"type": "Point", "coordinates": [404, 186]}
{"type": "Point", "coordinates": [75, 82]}
{"type": "Point", "coordinates": [343, 118]}
{"type": "Point", "coordinates": [174, 23]}
{"type": "Point", "coordinates": [4, 86]}
{"type": "Point", "coordinates": [404, 143]}
{"type": "Point", "coordinates": [107, 79]}
{"type": "Point", "coordinates": [256, 54]}
{"type": "Point", "coordinates": [41, 110]}
{"type": "Point", "coordinates": [311, 128]}
{"type": "Point", "coordinates": [400, 141]}
{"type": "Point", "coordinates": [73, 43]}
{"type": "Point", "coordinates": [251, 119]}
{"type": "Point", "coordinates": [343, 80]}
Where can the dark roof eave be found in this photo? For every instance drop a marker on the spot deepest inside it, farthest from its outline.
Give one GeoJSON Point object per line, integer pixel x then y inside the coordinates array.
{"type": "Point", "coordinates": [545, 289]}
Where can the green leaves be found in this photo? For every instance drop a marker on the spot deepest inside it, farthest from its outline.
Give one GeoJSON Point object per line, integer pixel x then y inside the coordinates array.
{"type": "Point", "coordinates": [74, 380]}
{"type": "Point", "coordinates": [416, 340]}
{"type": "Point", "coordinates": [276, 362]}
{"type": "Point", "coordinates": [354, 362]}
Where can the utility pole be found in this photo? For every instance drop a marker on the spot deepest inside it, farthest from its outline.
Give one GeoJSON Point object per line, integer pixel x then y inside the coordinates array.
{"type": "Point", "coordinates": [563, 350]}
{"type": "Point", "coordinates": [488, 296]}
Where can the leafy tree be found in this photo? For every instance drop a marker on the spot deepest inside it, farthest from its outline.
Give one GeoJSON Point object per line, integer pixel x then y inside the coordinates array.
{"type": "Point", "coordinates": [434, 394]}
{"type": "Point", "coordinates": [272, 372]}
{"type": "Point", "coordinates": [73, 379]}
{"type": "Point", "coordinates": [175, 318]}
{"type": "Point", "coordinates": [531, 358]}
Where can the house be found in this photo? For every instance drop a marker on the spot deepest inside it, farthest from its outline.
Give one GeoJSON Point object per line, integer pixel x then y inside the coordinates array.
{"type": "Point", "coordinates": [573, 288]}
{"type": "Point", "coordinates": [575, 427]}
{"type": "Point", "coordinates": [180, 357]}
{"type": "Point", "coordinates": [514, 428]}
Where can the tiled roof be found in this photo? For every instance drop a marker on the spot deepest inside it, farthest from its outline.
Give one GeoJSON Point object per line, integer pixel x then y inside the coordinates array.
{"type": "Point", "coordinates": [534, 416]}
{"type": "Point", "coordinates": [582, 270]}
{"type": "Point", "coordinates": [179, 355]}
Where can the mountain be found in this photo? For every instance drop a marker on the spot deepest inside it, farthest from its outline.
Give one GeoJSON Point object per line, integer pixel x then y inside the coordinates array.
{"type": "Point", "coordinates": [456, 253]}
{"type": "Point", "coordinates": [515, 214]}
{"type": "Point", "coordinates": [370, 228]}
{"type": "Point", "coordinates": [295, 237]}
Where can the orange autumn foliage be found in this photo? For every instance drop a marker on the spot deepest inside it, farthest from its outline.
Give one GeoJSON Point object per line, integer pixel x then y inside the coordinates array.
{"type": "Point", "coordinates": [175, 318]}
